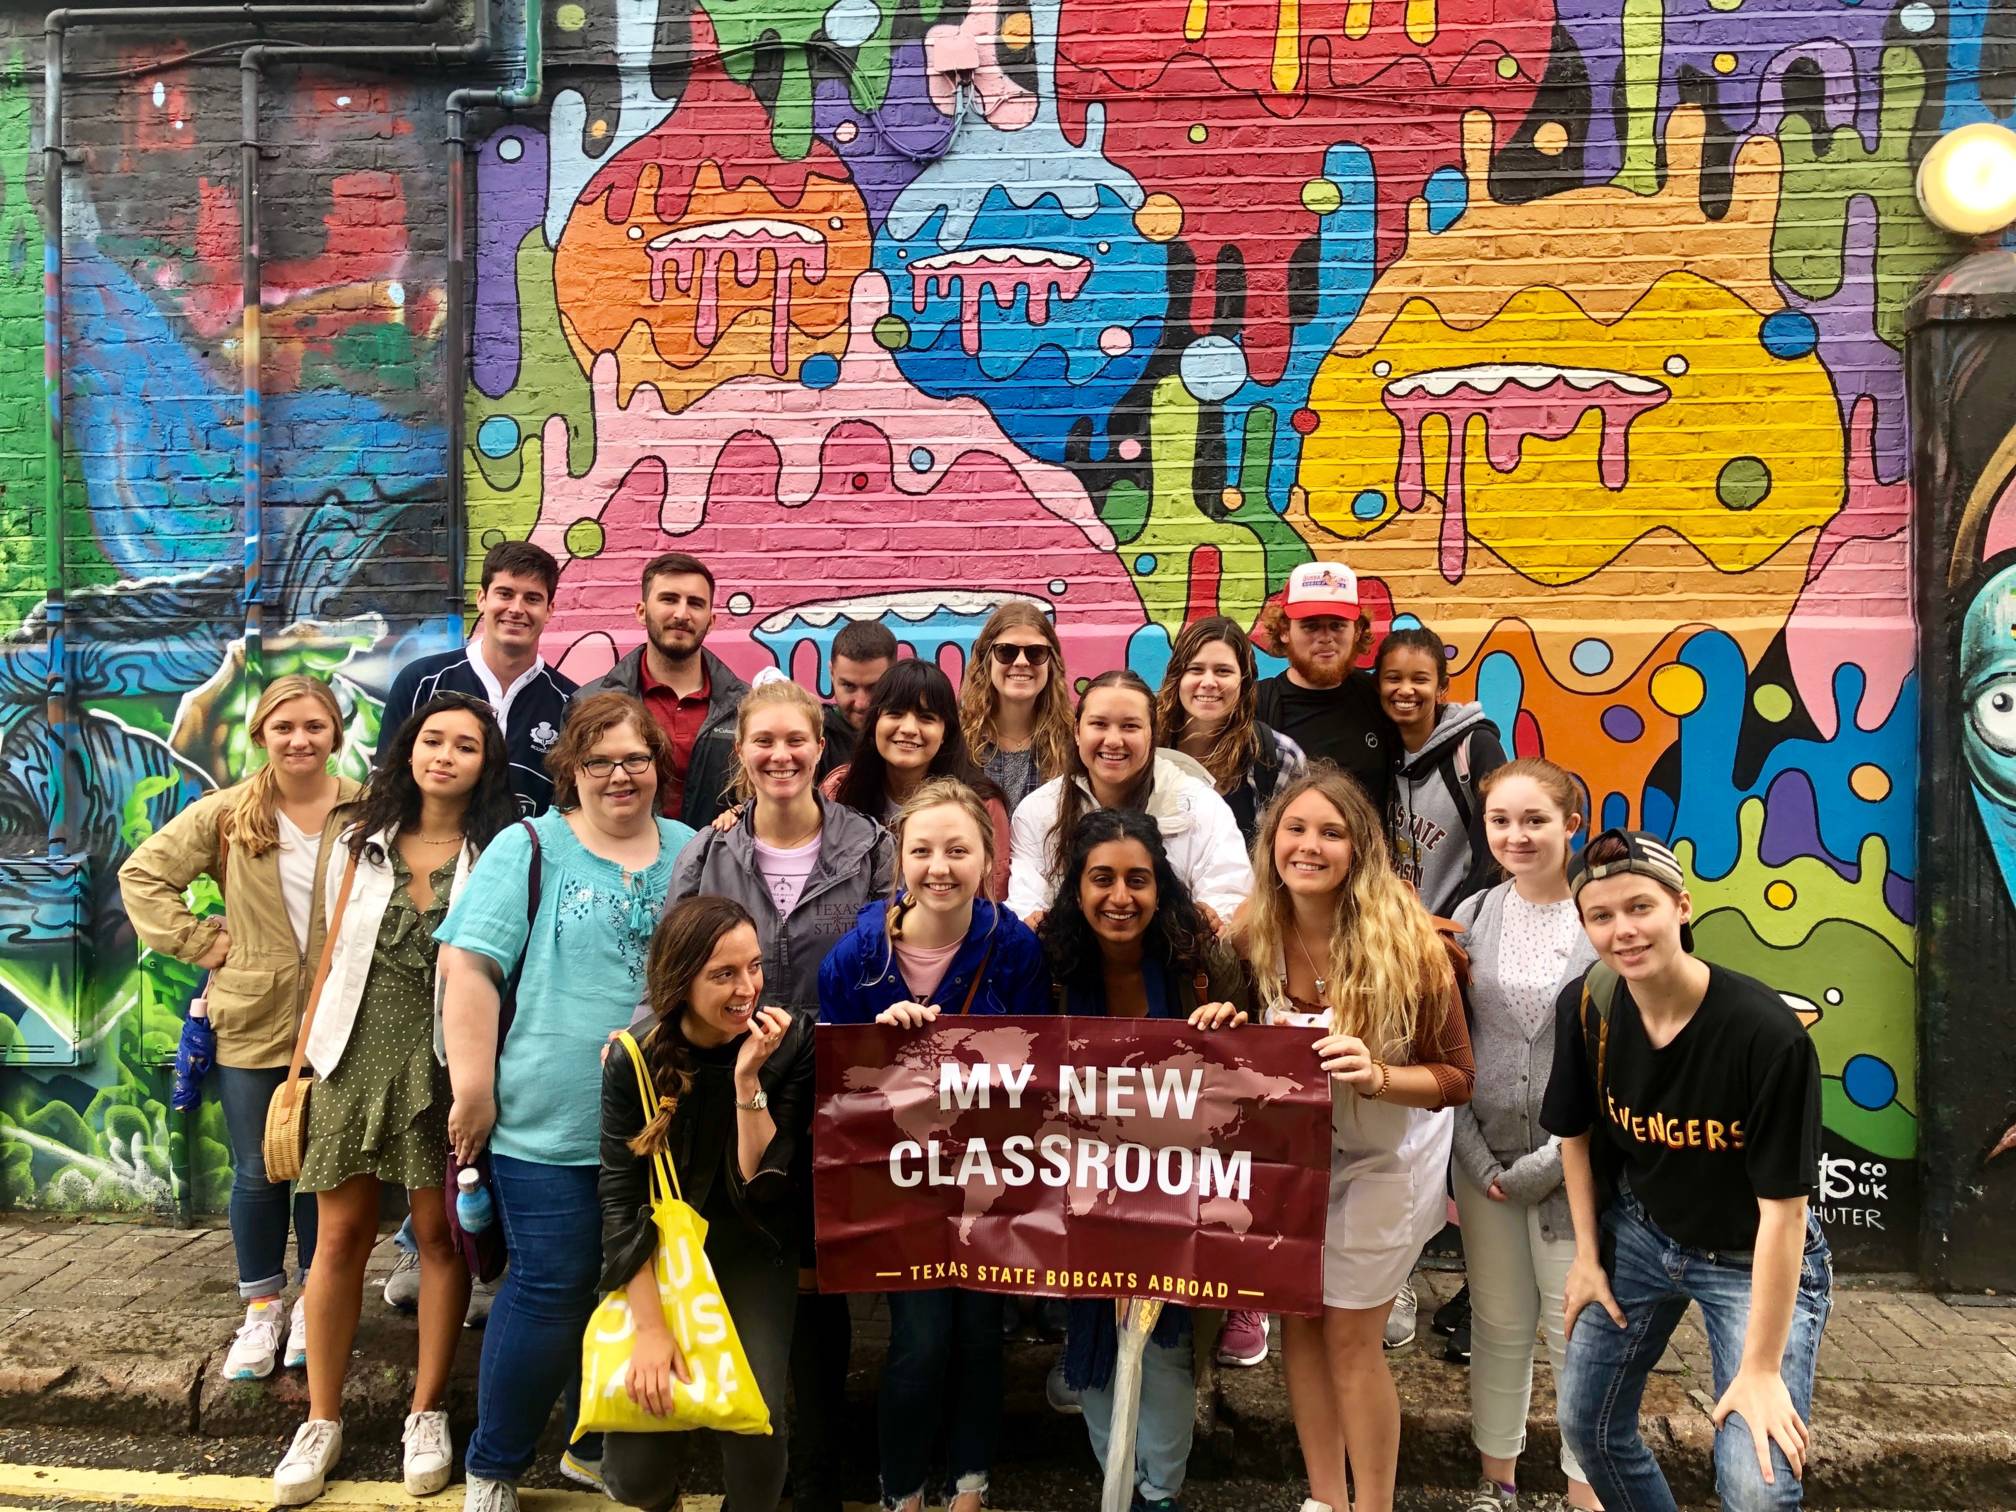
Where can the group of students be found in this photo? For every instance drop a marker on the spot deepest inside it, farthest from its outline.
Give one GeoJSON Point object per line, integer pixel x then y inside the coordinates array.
{"type": "Point", "coordinates": [718, 866]}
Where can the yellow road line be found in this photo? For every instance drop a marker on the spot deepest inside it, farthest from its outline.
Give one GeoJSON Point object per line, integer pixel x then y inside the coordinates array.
{"type": "Point", "coordinates": [227, 1493]}
{"type": "Point", "coordinates": [231, 1493]}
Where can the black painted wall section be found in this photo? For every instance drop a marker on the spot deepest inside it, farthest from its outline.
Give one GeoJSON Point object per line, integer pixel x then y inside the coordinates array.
{"type": "Point", "coordinates": [1962, 367]}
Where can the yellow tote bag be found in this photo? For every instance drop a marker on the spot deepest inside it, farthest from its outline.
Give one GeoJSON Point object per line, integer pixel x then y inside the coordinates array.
{"type": "Point", "coordinates": [723, 1394]}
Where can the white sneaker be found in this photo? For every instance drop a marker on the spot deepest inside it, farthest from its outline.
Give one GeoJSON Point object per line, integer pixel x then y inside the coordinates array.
{"type": "Point", "coordinates": [313, 1454]}
{"type": "Point", "coordinates": [584, 1470]}
{"type": "Point", "coordinates": [402, 1287]}
{"type": "Point", "coordinates": [297, 1335]}
{"type": "Point", "coordinates": [481, 1295]}
{"type": "Point", "coordinates": [429, 1455]}
{"type": "Point", "coordinates": [480, 1495]}
{"type": "Point", "coordinates": [1400, 1321]}
{"type": "Point", "coordinates": [252, 1352]}
{"type": "Point", "coordinates": [1061, 1396]}
{"type": "Point", "coordinates": [1313, 1505]}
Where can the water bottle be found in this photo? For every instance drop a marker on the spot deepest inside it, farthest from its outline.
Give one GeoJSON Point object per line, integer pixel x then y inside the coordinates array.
{"type": "Point", "coordinates": [473, 1209]}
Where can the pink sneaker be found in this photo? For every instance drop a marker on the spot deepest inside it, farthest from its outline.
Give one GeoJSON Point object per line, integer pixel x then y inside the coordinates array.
{"type": "Point", "coordinates": [1244, 1340]}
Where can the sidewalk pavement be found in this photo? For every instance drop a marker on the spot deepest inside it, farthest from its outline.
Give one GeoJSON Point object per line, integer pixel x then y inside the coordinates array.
{"type": "Point", "coordinates": [113, 1325]}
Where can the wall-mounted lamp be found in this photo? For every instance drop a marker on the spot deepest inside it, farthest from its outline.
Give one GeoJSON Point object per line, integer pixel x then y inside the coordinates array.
{"type": "Point", "coordinates": [1967, 183]}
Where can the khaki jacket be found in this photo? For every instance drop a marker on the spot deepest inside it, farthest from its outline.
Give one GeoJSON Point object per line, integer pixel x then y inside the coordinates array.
{"type": "Point", "coordinates": [258, 994]}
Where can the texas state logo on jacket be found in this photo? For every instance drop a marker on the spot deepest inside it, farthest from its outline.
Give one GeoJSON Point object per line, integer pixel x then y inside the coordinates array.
{"type": "Point", "coordinates": [861, 975]}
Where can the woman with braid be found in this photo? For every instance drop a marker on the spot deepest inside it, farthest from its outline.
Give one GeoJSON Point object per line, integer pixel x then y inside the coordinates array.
{"type": "Point", "coordinates": [734, 1085]}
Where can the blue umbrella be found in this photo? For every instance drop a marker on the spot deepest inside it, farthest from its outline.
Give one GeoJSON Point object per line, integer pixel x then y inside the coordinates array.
{"type": "Point", "coordinates": [194, 1056]}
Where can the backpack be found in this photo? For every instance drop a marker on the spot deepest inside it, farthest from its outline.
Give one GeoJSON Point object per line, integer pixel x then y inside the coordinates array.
{"type": "Point", "coordinates": [1599, 987]}
{"type": "Point", "coordinates": [1456, 777]}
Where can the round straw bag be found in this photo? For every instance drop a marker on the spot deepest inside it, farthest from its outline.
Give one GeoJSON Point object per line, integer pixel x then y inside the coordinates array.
{"type": "Point", "coordinates": [285, 1142]}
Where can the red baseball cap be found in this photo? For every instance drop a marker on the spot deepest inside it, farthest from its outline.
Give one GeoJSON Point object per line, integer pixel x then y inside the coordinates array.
{"type": "Point", "coordinates": [1320, 588]}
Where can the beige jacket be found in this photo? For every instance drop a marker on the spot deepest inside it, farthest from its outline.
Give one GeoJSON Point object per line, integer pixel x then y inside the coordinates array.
{"type": "Point", "coordinates": [258, 994]}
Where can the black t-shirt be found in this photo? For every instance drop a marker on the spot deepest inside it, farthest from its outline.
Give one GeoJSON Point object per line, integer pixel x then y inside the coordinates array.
{"type": "Point", "coordinates": [1344, 724]}
{"type": "Point", "coordinates": [1727, 1113]}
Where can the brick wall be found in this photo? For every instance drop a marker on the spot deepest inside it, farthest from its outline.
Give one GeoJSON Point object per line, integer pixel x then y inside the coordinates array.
{"type": "Point", "coordinates": [1574, 327]}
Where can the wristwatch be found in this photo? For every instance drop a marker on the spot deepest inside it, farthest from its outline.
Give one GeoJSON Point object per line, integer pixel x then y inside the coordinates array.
{"type": "Point", "coordinates": [755, 1104]}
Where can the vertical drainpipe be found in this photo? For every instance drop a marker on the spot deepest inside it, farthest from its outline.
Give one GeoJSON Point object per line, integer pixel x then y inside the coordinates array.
{"type": "Point", "coordinates": [58, 709]}
{"type": "Point", "coordinates": [253, 440]}
{"type": "Point", "coordinates": [456, 356]}
{"type": "Point", "coordinates": [251, 65]}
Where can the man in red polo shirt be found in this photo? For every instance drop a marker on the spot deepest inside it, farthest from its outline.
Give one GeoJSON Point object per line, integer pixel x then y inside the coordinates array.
{"type": "Point", "coordinates": [688, 689]}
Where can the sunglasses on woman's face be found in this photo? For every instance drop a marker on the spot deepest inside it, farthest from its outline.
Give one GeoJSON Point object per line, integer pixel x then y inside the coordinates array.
{"type": "Point", "coordinates": [1038, 655]}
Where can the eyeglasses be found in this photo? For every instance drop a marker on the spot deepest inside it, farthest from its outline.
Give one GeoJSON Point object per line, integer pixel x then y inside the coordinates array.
{"type": "Point", "coordinates": [637, 763]}
{"type": "Point", "coordinates": [1006, 655]}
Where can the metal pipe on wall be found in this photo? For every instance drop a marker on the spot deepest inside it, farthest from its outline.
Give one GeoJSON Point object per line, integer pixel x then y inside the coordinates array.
{"type": "Point", "coordinates": [455, 340]}
{"type": "Point", "coordinates": [251, 66]}
{"type": "Point", "coordinates": [55, 157]}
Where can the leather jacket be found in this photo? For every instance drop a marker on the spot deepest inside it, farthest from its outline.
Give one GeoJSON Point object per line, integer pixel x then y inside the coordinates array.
{"type": "Point", "coordinates": [702, 1146]}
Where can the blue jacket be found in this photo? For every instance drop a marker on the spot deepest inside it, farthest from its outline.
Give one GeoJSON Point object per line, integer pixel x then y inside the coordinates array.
{"type": "Point", "coordinates": [861, 975]}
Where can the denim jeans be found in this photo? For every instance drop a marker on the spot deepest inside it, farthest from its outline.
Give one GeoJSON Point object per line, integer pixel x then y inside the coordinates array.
{"type": "Point", "coordinates": [1168, 1420]}
{"type": "Point", "coordinates": [260, 1208]}
{"type": "Point", "coordinates": [1603, 1378]}
{"type": "Point", "coordinates": [943, 1370]}
{"type": "Point", "coordinates": [532, 1344]}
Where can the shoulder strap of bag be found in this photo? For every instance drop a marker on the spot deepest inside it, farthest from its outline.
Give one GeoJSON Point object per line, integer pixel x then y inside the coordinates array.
{"type": "Point", "coordinates": [321, 978]}
{"type": "Point", "coordinates": [1599, 987]}
{"type": "Point", "coordinates": [507, 1000]}
{"type": "Point", "coordinates": [1456, 776]}
{"type": "Point", "coordinates": [662, 1169]}
{"type": "Point", "coordinates": [973, 987]}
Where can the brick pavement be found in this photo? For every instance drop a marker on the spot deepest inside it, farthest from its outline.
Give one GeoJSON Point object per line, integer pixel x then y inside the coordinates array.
{"type": "Point", "coordinates": [96, 1316]}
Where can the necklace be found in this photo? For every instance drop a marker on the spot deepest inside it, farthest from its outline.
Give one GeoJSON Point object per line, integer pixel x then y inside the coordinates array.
{"type": "Point", "coordinates": [804, 839]}
{"type": "Point", "coordinates": [1318, 975]}
{"type": "Point", "coordinates": [432, 840]}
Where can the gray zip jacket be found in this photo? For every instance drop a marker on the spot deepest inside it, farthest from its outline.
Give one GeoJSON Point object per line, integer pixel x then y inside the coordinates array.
{"type": "Point", "coordinates": [1498, 1133]}
{"type": "Point", "coordinates": [855, 867]}
{"type": "Point", "coordinates": [1437, 821]}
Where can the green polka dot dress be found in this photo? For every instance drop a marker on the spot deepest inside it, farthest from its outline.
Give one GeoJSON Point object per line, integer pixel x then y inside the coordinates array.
{"type": "Point", "coordinates": [384, 1110]}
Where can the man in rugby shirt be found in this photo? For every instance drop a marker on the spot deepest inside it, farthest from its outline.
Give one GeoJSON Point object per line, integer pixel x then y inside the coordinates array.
{"type": "Point", "coordinates": [503, 667]}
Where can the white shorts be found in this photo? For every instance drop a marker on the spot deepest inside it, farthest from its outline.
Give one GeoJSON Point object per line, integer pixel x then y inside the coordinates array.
{"type": "Point", "coordinates": [1384, 1207]}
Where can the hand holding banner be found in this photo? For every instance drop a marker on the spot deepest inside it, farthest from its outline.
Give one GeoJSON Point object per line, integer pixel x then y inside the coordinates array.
{"type": "Point", "coordinates": [1079, 1157]}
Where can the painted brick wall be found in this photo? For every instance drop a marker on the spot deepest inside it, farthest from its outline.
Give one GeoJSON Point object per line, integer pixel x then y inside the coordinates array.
{"type": "Point", "coordinates": [1573, 325]}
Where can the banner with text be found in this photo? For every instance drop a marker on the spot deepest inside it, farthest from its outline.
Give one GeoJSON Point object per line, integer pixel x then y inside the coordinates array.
{"type": "Point", "coordinates": [1078, 1157]}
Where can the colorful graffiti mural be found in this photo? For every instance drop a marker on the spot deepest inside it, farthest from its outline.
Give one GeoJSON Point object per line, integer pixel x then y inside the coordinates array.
{"type": "Point", "coordinates": [1577, 334]}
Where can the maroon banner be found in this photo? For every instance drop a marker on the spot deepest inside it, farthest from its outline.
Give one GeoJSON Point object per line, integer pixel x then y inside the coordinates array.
{"type": "Point", "coordinates": [1077, 1157]}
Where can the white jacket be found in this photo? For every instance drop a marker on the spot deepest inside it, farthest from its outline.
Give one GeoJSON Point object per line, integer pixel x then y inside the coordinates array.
{"type": "Point", "coordinates": [370, 895]}
{"type": "Point", "coordinates": [1205, 847]}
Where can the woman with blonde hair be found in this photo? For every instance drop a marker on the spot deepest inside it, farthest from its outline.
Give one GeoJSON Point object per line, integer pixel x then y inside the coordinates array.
{"type": "Point", "coordinates": [267, 843]}
{"type": "Point", "coordinates": [1015, 706]}
{"type": "Point", "coordinates": [1338, 942]}
{"type": "Point", "coordinates": [803, 867]}
{"type": "Point", "coordinates": [938, 946]}
{"type": "Point", "coordinates": [1208, 710]}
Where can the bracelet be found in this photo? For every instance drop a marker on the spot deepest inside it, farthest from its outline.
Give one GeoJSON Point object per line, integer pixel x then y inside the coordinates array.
{"type": "Point", "coordinates": [1385, 1077]}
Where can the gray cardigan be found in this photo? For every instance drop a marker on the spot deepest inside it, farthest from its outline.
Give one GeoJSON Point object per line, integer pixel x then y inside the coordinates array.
{"type": "Point", "coordinates": [855, 867]}
{"type": "Point", "coordinates": [1498, 1133]}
